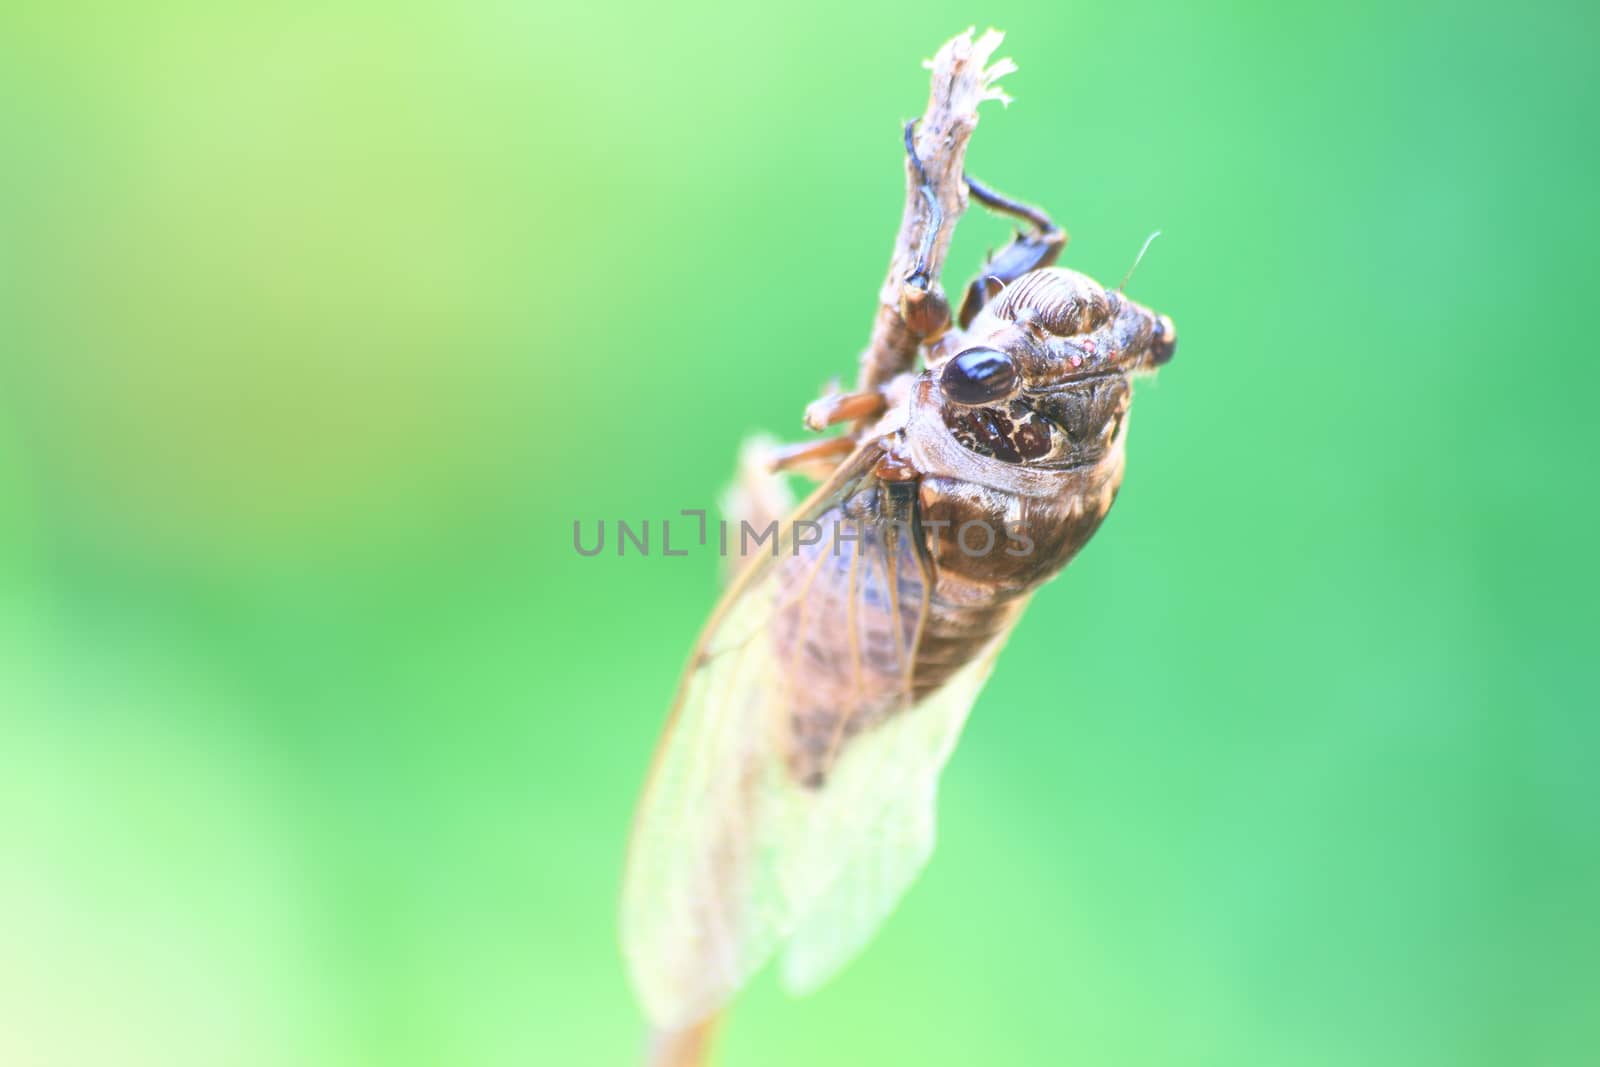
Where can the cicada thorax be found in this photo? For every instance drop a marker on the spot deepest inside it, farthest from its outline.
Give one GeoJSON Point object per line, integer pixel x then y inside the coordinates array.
{"type": "Point", "coordinates": [1062, 302]}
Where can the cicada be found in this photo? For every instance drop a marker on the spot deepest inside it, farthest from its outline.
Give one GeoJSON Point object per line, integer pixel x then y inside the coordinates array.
{"type": "Point", "coordinates": [791, 802]}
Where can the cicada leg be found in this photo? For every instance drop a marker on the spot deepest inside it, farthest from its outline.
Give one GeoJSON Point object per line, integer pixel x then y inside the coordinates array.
{"type": "Point", "coordinates": [814, 458]}
{"type": "Point", "coordinates": [1028, 251]}
{"type": "Point", "coordinates": [835, 408]}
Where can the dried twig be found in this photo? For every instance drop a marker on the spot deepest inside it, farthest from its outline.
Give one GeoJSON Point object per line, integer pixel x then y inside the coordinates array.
{"type": "Point", "coordinates": [963, 77]}
{"type": "Point", "coordinates": [689, 1047]}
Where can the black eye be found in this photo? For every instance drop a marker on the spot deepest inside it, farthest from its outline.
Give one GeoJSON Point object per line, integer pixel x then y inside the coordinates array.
{"type": "Point", "coordinates": [1163, 342]}
{"type": "Point", "coordinates": [979, 376]}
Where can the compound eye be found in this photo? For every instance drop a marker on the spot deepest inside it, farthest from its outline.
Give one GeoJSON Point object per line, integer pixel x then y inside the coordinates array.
{"type": "Point", "coordinates": [1164, 341]}
{"type": "Point", "coordinates": [979, 376]}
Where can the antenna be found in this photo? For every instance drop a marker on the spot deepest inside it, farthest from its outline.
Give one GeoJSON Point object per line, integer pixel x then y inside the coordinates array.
{"type": "Point", "coordinates": [1138, 259]}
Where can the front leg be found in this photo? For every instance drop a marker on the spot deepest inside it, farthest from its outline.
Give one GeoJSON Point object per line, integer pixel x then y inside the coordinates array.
{"type": "Point", "coordinates": [816, 459]}
{"type": "Point", "coordinates": [835, 408]}
{"type": "Point", "coordinates": [1027, 252]}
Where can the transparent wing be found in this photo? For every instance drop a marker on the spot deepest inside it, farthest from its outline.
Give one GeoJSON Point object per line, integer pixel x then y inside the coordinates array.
{"type": "Point", "coordinates": [793, 791]}
{"type": "Point", "coordinates": [897, 843]}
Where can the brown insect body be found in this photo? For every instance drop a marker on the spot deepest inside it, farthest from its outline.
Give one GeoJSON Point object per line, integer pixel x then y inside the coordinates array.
{"type": "Point", "coordinates": [980, 520]}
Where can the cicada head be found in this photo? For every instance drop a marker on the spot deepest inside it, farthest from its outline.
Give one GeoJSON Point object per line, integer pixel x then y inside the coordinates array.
{"type": "Point", "coordinates": [1042, 375]}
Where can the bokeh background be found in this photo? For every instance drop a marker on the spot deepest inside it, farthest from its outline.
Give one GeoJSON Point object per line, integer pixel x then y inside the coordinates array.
{"type": "Point", "coordinates": [319, 328]}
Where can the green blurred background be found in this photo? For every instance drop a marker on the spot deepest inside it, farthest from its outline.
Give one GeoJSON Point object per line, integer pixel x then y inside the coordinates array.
{"type": "Point", "coordinates": [318, 329]}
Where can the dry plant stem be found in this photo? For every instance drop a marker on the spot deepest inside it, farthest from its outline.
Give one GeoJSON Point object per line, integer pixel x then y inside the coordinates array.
{"type": "Point", "coordinates": [683, 1048]}
{"type": "Point", "coordinates": [963, 77]}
